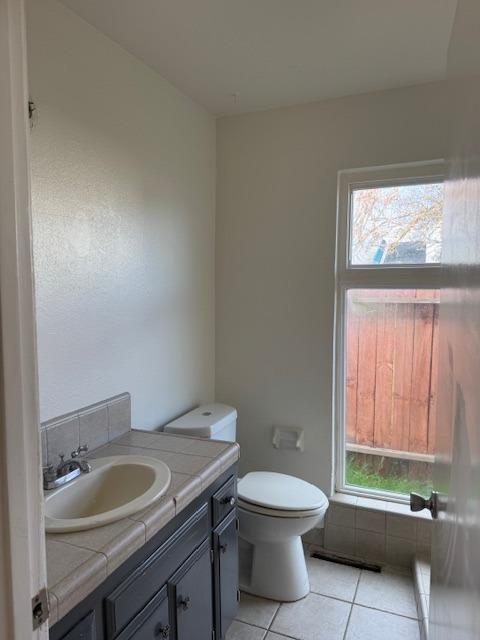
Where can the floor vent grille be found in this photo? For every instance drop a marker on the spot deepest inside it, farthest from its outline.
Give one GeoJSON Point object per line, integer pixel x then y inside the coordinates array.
{"type": "Point", "coordinates": [359, 564]}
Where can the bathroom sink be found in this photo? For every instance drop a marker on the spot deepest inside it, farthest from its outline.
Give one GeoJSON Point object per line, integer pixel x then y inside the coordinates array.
{"type": "Point", "coordinates": [117, 487]}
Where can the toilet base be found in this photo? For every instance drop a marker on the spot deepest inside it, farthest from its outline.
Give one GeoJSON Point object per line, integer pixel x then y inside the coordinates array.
{"type": "Point", "coordinates": [274, 570]}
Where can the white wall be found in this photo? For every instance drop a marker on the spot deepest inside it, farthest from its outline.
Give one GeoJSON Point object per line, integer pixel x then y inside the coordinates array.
{"type": "Point", "coordinates": [276, 211]}
{"type": "Point", "coordinates": [123, 180]}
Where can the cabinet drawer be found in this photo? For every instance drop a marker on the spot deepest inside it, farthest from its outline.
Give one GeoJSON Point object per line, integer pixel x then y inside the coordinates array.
{"type": "Point", "coordinates": [131, 596]}
{"type": "Point", "coordinates": [152, 623]}
{"type": "Point", "coordinates": [224, 500]}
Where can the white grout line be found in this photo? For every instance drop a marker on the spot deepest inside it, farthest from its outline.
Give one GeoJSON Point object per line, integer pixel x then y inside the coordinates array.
{"type": "Point", "coordinates": [353, 601]}
{"type": "Point", "coordinates": [273, 619]}
{"type": "Point", "coordinates": [391, 613]}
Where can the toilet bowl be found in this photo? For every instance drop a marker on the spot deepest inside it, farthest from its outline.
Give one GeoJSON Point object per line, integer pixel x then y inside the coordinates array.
{"type": "Point", "coordinates": [274, 511]}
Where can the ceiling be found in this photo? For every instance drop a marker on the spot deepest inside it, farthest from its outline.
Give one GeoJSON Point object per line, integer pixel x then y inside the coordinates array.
{"type": "Point", "coordinates": [234, 56]}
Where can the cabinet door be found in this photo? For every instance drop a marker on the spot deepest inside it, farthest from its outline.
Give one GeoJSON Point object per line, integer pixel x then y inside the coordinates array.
{"type": "Point", "coordinates": [190, 593]}
{"type": "Point", "coordinates": [152, 623]}
{"type": "Point", "coordinates": [226, 574]}
{"type": "Point", "coordinates": [126, 601]}
{"type": "Point", "coordinates": [83, 630]}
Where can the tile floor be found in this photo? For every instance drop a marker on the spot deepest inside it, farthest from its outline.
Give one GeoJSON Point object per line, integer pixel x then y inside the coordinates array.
{"type": "Point", "coordinates": [344, 603]}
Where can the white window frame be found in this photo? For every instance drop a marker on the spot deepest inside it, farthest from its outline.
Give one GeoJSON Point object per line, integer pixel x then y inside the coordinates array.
{"type": "Point", "coordinates": [378, 276]}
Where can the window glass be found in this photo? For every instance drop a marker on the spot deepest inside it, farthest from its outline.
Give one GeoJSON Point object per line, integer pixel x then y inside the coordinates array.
{"type": "Point", "coordinates": [390, 396]}
{"type": "Point", "coordinates": [400, 224]}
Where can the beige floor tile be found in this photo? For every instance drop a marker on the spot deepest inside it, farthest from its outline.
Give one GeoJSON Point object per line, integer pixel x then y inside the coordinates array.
{"type": "Point", "coordinates": [275, 636]}
{"type": "Point", "coordinates": [391, 592]}
{"type": "Point", "coordinates": [369, 624]}
{"type": "Point", "coordinates": [313, 618]}
{"type": "Point", "coordinates": [257, 611]}
{"type": "Point", "coordinates": [332, 579]}
{"type": "Point", "coordinates": [242, 631]}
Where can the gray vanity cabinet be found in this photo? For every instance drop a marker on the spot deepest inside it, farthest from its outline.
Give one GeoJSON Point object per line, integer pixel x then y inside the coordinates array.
{"type": "Point", "coordinates": [153, 623]}
{"type": "Point", "coordinates": [83, 630]}
{"type": "Point", "coordinates": [190, 593]}
{"type": "Point", "coordinates": [182, 585]}
{"type": "Point", "coordinates": [225, 540]}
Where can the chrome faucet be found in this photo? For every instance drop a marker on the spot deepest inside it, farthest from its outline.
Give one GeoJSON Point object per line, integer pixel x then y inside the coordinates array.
{"type": "Point", "coordinates": [66, 470]}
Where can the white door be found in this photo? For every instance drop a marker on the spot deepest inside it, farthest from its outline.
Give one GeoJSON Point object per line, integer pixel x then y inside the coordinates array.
{"type": "Point", "coordinates": [22, 544]}
{"type": "Point", "coordinates": [455, 596]}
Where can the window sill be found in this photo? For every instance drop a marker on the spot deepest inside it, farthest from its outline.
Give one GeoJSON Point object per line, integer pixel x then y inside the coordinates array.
{"type": "Point", "coordinates": [377, 504]}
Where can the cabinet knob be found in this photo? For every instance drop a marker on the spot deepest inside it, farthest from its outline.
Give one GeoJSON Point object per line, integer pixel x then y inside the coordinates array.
{"type": "Point", "coordinates": [229, 500]}
{"type": "Point", "coordinates": [184, 603]}
{"type": "Point", "coordinates": [223, 548]}
{"type": "Point", "coordinates": [163, 631]}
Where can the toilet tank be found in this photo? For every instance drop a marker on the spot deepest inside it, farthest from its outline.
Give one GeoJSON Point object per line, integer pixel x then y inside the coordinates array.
{"type": "Point", "coordinates": [215, 421]}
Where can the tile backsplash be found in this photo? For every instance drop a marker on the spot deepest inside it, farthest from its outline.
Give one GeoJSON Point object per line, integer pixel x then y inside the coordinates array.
{"type": "Point", "coordinates": [94, 426]}
{"type": "Point", "coordinates": [373, 531]}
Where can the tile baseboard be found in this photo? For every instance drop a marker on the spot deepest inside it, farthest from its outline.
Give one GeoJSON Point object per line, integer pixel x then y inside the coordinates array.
{"type": "Point", "coordinates": [421, 582]}
{"type": "Point", "coordinates": [371, 530]}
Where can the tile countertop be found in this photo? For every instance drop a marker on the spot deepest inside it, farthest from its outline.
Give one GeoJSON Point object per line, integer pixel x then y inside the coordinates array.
{"type": "Point", "coordinates": [78, 562]}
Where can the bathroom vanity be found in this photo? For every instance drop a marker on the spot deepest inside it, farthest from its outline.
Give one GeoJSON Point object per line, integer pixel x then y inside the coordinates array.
{"type": "Point", "coordinates": [182, 583]}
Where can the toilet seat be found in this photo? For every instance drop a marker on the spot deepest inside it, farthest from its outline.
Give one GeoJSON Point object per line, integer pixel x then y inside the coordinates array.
{"type": "Point", "coordinates": [277, 513]}
{"type": "Point", "coordinates": [279, 495]}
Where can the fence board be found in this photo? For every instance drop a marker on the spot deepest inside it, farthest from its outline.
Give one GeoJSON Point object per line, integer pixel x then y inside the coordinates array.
{"type": "Point", "coordinates": [402, 383]}
{"type": "Point", "coordinates": [432, 412]}
{"type": "Point", "coordinates": [384, 376]}
{"type": "Point", "coordinates": [367, 350]}
{"type": "Point", "coordinates": [352, 377]}
{"type": "Point", "coordinates": [422, 354]}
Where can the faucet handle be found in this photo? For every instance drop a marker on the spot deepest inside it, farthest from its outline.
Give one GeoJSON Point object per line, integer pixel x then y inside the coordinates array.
{"type": "Point", "coordinates": [49, 472]}
{"type": "Point", "coordinates": [81, 449]}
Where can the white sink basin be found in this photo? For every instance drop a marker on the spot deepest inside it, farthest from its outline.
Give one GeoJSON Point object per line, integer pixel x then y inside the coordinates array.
{"type": "Point", "coordinates": [115, 488]}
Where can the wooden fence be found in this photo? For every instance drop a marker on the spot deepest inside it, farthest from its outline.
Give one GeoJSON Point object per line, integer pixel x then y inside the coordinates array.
{"type": "Point", "coordinates": [391, 371]}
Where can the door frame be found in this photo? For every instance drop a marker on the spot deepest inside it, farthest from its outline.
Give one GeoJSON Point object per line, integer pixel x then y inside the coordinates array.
{"type": "Point", "coordinates": [22, 537]}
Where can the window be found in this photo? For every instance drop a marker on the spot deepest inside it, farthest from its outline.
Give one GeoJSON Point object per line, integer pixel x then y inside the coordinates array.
{"type": "Point", "coordinates": [398, 224]}
{"type": "Point", "coordinates": [388, 278]}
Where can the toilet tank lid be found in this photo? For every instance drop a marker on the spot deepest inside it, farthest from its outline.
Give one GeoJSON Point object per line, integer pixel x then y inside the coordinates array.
{"type": "Point", "coordinates": [280, 491]}
{"type": "Point", "coordinates": [204, 421]}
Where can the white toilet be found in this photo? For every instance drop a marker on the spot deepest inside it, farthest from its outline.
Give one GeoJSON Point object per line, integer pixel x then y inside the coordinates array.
{"type": "Point", "coordinates": [275, 510]}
